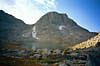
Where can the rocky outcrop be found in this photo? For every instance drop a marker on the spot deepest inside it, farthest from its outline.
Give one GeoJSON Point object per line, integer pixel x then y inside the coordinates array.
{"type": "Point", "coordinates": [93, 42]}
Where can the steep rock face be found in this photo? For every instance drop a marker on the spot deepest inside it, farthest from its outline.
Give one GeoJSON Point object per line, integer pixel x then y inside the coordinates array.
{"type": "Point", "coordinates": [13, 29]}
{"type": "Point", "coordinates": [57, 29]}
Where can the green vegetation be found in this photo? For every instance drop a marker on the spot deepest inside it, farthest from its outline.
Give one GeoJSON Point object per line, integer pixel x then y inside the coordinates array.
{"type": "Point", "coordinates": [6, 61]}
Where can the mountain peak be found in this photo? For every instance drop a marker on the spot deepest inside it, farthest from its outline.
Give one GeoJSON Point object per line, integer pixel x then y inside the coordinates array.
{"type": "Point", "coordinates": [56, 28]}
{"type": "Point", "coordinates": [13, 29]}
{"type": "Point", "coordinates": [56, 13]}
{"type": "Point", "coordinates": [53, 30]}
{"type": "Point", "coordinates": [54, 18]}
{"type": "Point", "coordinates": [1, 11]}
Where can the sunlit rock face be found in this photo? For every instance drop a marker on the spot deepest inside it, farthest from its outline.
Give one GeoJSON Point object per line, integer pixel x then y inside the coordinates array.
{"type": "Point", "coordinates": [93, 42]}
{"type": "Point", "coordinates": [57, 29]}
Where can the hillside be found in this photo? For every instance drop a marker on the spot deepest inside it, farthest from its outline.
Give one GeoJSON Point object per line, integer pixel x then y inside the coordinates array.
{"type": "Point", "coordinates": [89, 43]}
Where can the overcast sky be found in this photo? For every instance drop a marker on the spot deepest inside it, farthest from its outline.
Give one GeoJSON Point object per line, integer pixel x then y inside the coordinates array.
{"type": "Point", "coordinates": [85, 12]}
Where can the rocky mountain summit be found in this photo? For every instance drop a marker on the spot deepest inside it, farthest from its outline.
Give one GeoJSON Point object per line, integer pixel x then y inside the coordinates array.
{"type": "Point", "coordinates": [58, 29]}
{"type": "Point", "coordinates": [53, 30]}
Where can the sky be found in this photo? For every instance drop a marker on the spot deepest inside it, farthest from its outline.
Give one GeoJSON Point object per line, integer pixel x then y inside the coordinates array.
{"type": "Point", "coordinates": [86, 13]}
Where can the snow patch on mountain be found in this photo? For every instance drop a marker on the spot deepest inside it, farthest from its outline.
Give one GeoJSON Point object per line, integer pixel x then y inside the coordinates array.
{"type": "Point", "coordinates": [61, 27]}
{"type": "Point", "coordinates": [34, 33]}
